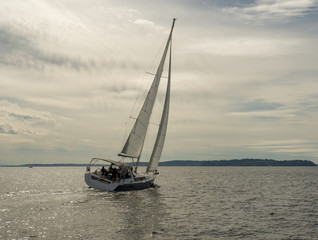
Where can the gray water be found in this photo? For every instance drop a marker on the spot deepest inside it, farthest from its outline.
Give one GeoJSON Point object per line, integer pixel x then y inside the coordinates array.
{"type": "Point", "coordinates": [188, 203]}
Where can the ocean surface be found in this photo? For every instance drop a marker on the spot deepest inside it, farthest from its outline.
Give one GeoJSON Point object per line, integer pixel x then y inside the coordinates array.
{"type": "Point", "coordinates": [188, 203]}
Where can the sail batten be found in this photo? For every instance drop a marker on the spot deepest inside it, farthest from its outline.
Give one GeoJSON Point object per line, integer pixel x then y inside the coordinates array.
{"type": "Point", "coordinates": [135, 141]}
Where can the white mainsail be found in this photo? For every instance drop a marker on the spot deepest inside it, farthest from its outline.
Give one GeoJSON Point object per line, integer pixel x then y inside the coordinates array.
{"type": "Point", "coordinates": [134, 144]}
{"type": "Point", "coordinates": [161, 136]}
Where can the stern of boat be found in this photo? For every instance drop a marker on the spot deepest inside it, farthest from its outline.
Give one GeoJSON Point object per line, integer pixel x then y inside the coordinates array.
{"type": "Point", "coordinates": [98, 183]}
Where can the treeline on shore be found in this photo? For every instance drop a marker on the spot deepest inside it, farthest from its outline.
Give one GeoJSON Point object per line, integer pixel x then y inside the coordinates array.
{"type": "Point", "coordinates": [239, 162]}
{"type": "Point", "coordinates": [182, 163]}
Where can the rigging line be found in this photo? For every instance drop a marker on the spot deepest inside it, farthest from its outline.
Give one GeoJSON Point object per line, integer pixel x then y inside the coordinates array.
{"type": "Point", "coordinates": [155, 74]}
{"type": "Point", "coordinates": [156, 124]}
{"type": "Point", "coordinates": [153, 65]}
{"type": "Point", "coordinates": [145, 83]}
{"type": "Point", "coordinates": [142, 91]}
{"type": "Point", "coordinates": [129, 124]}
{"type": "Point", "coordinates": [111, 141]}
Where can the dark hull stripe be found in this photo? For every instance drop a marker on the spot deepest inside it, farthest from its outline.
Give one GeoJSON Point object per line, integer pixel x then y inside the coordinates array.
{"type": "Point", "coordinates": [135, 186]}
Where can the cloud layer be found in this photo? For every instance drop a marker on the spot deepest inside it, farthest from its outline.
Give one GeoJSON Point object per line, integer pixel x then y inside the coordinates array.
{"type": "Point", "coordinates": [244, 78]}
{"type": "Point", "coordinates": [274, 10]}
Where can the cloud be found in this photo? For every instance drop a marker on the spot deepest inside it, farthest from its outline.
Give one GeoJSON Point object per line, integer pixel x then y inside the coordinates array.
{"type": "Point", "coordinates": [246, 46]}
{"type": "Point", "coordinates": [292, 111]}
{"type": "Point", "coordinates": [20, 50]}
{"type": "Point", "coordinates": [25, 121]}
{"type": "Point", "coordinates": [55, 37]}
{"type": "Point", "coordinates": [261, 109]}
{"type": "Point", "coordinates": [294, 147]}
{"type": "Point", "coordinates": [6, 129]}
{"type": "Point", "coordinates": [259, 105]}
{"type": "Point", "coordinates": [274, 10]}
{"type": "Point", "coordinates": [147, 25]}
{"type": "Point", "coordinates": [144, 22]}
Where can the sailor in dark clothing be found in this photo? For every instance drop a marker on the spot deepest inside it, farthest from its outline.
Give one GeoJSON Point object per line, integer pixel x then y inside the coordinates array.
{"type": "Point", "coordinates": [103, 171]}
{"type": "Point", "coordinates": [110, 168]}
{"type": "Point", "coordinates": [114, 174]}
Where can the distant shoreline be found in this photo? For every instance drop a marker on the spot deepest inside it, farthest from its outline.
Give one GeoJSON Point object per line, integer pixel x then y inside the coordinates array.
{"type": "Point", "coordinates": [241, 162]}
{"type": "Point", "coordinates": [248, 162]}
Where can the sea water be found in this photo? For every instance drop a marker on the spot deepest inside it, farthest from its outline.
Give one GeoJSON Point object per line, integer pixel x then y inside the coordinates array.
{"type": "Point", "coordinates": [187, 203]}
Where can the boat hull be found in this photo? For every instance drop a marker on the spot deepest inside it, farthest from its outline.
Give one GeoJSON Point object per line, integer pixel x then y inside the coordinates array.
{"type": "Point", "coordinates": [102, 184]}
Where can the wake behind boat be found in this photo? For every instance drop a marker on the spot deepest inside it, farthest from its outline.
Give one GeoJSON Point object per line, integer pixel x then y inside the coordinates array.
{"type": "Point", "coordinates": [119, 176]}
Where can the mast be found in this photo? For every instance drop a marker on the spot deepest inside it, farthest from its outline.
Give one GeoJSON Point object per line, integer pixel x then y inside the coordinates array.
{"type": "Point", "coordinates": [135, 141]}
{"type": "Point", "coordinates": [161, 135]}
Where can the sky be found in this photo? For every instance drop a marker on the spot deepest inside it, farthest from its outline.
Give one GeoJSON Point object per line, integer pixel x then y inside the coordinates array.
{"type": "Point", "coordinates": [244, 78]}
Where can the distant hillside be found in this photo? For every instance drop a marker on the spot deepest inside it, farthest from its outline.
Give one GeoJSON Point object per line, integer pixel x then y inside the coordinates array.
{"type": "Point", "coordinates": [182, 163]}
{"type": "Point", "coordinates": [239, 162]}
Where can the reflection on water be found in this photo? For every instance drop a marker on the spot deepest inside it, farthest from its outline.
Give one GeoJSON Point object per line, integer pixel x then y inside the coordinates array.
{"type": "Point", "coordinates": [141, 212]}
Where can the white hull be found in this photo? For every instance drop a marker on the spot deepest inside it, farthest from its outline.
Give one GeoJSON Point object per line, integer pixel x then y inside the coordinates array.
{"type": "Point", "coordinates": [103, 184]}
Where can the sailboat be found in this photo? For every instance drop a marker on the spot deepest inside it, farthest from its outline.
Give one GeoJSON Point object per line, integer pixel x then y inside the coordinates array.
{"type": "Point", "coordinates": [120, 176]}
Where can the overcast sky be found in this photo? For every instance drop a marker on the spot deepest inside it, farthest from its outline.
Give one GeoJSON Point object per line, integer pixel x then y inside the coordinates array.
{"type": "Point", "coordinates": [244, 80]}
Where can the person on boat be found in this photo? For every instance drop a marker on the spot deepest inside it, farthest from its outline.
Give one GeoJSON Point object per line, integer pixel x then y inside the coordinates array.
{"type": "Point", "coordinates": [127, 174]}
{"type": "Point", "coordinates": [110, 168]}
{"type": "Point", "coordinates": [114, 174]}
{"type": "Point", "coordinates": [103, 171]}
